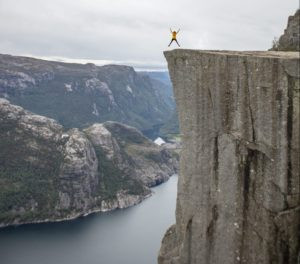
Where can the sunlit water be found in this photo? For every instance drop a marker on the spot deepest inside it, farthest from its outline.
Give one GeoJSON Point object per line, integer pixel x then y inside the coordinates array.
{"type": "Point", "coordinates": [129, 236]}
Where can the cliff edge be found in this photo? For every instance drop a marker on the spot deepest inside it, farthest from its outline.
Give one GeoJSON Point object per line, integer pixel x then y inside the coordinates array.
{"type": "Point", "coordinates": [238, 191]}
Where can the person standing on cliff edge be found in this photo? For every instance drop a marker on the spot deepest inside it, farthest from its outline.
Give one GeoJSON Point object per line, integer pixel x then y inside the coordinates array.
{"type": "Point", "coordinates": [174, 34]}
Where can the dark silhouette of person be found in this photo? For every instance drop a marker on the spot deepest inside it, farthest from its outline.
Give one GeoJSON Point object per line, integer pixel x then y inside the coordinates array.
{"type": "Point", "coordinates": [174, 34]}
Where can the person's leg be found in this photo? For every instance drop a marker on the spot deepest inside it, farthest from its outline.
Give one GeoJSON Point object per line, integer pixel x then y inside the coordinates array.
{"type": "Point", "coordinates": [177, 42]}
{"type": "Point", "coordinates": [170, 42]}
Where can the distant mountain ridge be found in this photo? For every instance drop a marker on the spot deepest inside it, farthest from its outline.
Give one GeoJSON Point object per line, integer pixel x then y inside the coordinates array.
{"type": "Point", "coordinates": [78, 95]}
{"type": "Point", "coordinates": [290, 39]}
{"type": "Point", "coordinates": [161, 80]}
{"type": "Point", "coordinates": [171, 126]}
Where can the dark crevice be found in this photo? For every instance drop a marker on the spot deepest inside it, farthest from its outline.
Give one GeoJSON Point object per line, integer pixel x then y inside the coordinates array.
{"type": "Point", "coordinates": [198, 116]}
{"type": "Point", "coordinates": [298, 243]}
{"type": "Point", "coordinates": [237, 91]}
{"type": "Point", "coordinates": [249, 163]}
{"type": "Point", "coordinates": [210, 231]}
{"type": "Point", "coordinates": [227, 98]}
{"type": "Point", "coordinates": [211, 227]}
{"type": "Point", "coordinates": [252, 119]}
{"type": "Point", "coordinates": [210, 98]}
{"type": "Point", "coordinates": [249, 101]}
{"type": "Point", "coordinates": [216, 162]}
{"type": "Point", "coordinates": [285, 252]}
{"type": "Point", "coordinates": [247, 168]}
{"type": "Point", "coordinates": [289, 133]}
{"type": "Point", "coordinates": [189, 241]}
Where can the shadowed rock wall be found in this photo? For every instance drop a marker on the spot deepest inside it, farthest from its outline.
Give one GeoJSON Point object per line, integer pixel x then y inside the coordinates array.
{"type": "Point", "coordinates": [238, 191]}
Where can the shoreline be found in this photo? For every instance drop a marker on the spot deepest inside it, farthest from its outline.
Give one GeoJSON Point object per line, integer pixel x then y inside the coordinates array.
{"type": "Point", "coordinates": [137, 201]}
{"type": "Point", "coordinates": [77, 215]}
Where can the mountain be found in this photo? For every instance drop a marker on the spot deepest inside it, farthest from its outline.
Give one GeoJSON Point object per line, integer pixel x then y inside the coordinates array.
{"type": "Point", "coordinates": [162, 84]}
{"type": "Point", "coordinates": [239, 193]}
{"type": "Point", "coordinates": [162, 76]}
{"type": "Point", "coordinates": [78, 95]}
{"type": "Point", "coordinates": [49, 173]}
{"type": "Point", "coordinates": [170, 127]}
{"type": "Point", "coordinates": [290, 39]}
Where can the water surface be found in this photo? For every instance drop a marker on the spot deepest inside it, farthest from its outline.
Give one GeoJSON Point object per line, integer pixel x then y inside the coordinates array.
{"type": "Point", "coordinates": [129, 236]}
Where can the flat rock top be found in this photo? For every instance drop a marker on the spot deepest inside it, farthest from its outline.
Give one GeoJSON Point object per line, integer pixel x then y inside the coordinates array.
{"type": "Point", "coordinates": [265, 54]}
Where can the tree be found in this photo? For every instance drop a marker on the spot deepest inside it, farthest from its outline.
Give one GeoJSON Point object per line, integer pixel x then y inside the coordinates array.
{"type": "Point", "coordinates": [275, 44]}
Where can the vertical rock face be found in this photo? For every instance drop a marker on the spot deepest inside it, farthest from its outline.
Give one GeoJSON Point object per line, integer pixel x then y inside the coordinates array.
{"type": "Point", "coordinates": [238, 191]}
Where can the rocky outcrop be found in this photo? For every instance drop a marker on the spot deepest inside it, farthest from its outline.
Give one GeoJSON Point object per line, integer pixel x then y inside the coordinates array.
{"type": "Point", "coordinates": [49, 174]}
{"type": "Point", "coordinates": [78, 176]}
{"type": "Point", "coordinates": [152, 165]}
{"type": "Point", "coordinates": [238, 192]}
{"type": "Point", "coordinates": [290, 40]}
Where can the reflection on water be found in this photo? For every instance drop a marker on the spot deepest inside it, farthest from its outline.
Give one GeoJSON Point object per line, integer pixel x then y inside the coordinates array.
{"type": "Point", "coordinates": [130, 236]}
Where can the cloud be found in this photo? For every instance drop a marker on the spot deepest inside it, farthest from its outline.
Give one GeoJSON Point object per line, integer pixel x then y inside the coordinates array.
{"type": "Point", "coordinates": [137, 31]}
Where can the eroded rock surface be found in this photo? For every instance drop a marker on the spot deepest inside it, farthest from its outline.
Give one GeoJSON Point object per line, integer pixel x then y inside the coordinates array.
{"type": "Point", "coordinates": [290, 39]}
{"type": "Point", "coordinates": [48, 174]}
{"type": "Point", "coordinates": [78, 95]}
{"type": "Point", "coordinates": [238, 192]}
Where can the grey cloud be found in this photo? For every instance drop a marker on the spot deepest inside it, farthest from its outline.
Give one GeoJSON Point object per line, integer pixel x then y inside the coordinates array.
{"type": "Point", "coordinates": [137, 31]}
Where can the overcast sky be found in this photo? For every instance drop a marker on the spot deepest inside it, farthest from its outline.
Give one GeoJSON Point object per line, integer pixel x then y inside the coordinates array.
{"type": "Point", "coordinates": [135, 32]}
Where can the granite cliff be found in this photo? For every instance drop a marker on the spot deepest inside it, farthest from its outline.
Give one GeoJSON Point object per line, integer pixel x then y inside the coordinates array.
{"type": "Point", "coordinates": [239, 187]}
{"type": "Point", "coordinates": [50, 174]}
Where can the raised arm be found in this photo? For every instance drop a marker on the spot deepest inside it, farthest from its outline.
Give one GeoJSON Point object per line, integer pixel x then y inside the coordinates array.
{"type": "Point", "coordinates": [178, 31]}
{"type": "Point", "coordinates": [171, 30]}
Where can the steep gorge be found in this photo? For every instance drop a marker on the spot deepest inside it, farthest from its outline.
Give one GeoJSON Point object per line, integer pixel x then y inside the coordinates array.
{"type": "Point", "coordinates": [239, 189]}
